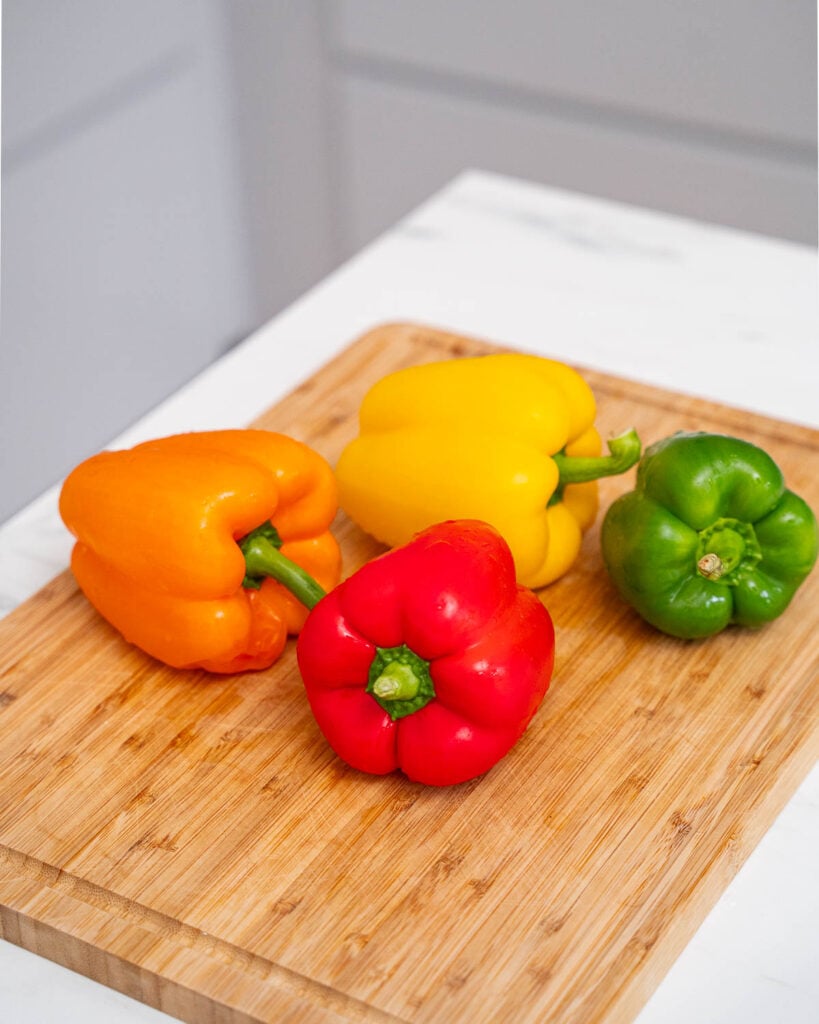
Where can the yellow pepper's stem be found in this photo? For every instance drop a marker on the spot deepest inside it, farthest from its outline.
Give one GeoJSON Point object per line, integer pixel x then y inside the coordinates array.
{"type": "Point", "coordinates": [624, 451]}
{"type": "Point", "coordinates": [264, 559]}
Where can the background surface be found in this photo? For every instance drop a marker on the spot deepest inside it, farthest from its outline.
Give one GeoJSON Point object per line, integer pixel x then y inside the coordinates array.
{"type": "Point", "coordinates": [174, 174]}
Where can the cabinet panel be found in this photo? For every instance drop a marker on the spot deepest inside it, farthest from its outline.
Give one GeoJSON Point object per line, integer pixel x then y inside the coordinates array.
{"type": "Point", "coordinates": [74, 60]}
{"type": "Point", "coordinates": [123, 262]}
{"type": "Point", "coordinates": [748, 69]}
{"type": "Point", "coordinates": [402, 144]}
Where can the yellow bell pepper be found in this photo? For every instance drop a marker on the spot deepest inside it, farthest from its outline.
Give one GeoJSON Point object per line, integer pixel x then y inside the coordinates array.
{"type": "Point", "coordinates": [506, 438]}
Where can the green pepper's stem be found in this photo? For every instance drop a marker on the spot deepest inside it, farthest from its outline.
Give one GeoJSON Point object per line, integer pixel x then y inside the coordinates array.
{"type": "Point", "coordinates": [624, 452]}
{"type": "Point", "coordinates": [727, 550]}
{"type": "Point", "coordinates": [711, 566]}
{"type": "Point", "coordinates": [264, 559]}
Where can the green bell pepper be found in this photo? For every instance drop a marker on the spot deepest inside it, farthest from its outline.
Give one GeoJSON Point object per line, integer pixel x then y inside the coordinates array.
{"type": "Point", "coordinates": [709, 536]}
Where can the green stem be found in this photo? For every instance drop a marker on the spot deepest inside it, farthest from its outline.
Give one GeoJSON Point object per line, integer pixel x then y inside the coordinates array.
{"type": "Point", "coordinates": [396, 682]}
{"type": "Point", "coordinates": [264, 559]}
{"type": "Point", "coordinates": [727, 550]}
{"type": "Point", "coordinates": [624, 451]}
{"type": "Point", "coordinates": [400, 681]}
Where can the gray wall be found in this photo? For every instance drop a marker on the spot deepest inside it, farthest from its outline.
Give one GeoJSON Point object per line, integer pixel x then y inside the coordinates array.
{"type": "Point", "coordinates": [176, 171]}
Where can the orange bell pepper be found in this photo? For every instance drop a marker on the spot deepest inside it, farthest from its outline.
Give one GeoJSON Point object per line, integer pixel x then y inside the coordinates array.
{"type": "Point", "coordinates": [158, 553]}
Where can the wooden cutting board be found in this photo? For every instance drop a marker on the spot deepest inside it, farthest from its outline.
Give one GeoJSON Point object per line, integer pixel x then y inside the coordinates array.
{"type": "Point", "coordinates": [193, 842]}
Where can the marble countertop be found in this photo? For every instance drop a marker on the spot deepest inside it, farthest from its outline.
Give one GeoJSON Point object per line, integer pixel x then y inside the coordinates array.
{"type": "Point", "coordinates": [700, 309]}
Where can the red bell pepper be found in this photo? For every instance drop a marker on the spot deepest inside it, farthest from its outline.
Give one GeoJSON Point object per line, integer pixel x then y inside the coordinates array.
{"type": "Point", "coordinates": [431, 658]}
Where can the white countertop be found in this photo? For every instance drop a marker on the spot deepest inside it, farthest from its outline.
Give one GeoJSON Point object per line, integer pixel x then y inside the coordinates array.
{"type": "Point", "coordinates": [696, 308]}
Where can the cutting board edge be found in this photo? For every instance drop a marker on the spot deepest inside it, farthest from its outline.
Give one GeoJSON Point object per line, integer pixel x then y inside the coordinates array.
{"type": "Point", "coordinates": [184, 972]}
{"type": "Point", "coordinates": [721, 870]}
{"type": "Point", "coordinates": [208, 965]}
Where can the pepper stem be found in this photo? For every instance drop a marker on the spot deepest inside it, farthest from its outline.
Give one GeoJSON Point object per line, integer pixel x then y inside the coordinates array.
{"type": "Point", "coordinates": [400, 681]}
{"type": "Point", "coordinates": [264, 559]}
{"type": "Point", "coordinates": [396, 682]}
{"type": "Point", "coordinates": [624, 451]}
{"type": "Point", "coordinates": [711, 566]}
{"type": "Point", "coordinates": [727, 550]}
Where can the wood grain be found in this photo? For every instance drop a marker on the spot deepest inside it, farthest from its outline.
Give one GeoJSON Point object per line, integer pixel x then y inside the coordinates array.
{"type": "Point", "coordinates": [192, 840]}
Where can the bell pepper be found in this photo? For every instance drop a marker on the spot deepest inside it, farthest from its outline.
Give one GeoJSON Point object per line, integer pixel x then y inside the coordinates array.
{"type": "Point", "coordinates": [709, 537]}
{"type": "Point", "coordinates": [430, 659]}
{"type": "Point", "coordinates": [508, 439]}
{"type": "Point", "coordinates": [159, 529]}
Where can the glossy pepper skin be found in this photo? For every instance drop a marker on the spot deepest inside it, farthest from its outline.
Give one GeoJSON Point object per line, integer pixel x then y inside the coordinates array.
{"type": "Point", "coordinates": [157, 550]}
{"type": "Point", "coordinates": [430, 659]}
{"type": "Point", "coordinates": [508, 439]}
{"type": "Point", "coordinates": [709, 537]}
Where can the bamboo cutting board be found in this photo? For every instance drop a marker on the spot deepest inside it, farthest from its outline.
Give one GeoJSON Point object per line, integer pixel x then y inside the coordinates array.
{"type": "Point", "coordinates": [193, 842]}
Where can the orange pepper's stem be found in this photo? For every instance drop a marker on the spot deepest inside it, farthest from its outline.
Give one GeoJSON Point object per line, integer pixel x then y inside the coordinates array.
{"type": "Point", "coordinates": [264, 559]}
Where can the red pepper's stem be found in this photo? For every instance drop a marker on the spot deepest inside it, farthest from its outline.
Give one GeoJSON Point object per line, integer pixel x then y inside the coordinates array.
{"type": "Point", "coordinates": [400, 681]}
{"type": "Point", "coordinates": [264, 559]}
{"type": "Point", "coordinates": [396, 682]}
{"type": "Point", "coordinates": [624, 452]}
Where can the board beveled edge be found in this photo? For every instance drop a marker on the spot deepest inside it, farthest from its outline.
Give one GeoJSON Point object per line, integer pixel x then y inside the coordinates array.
{"type": "Point", "coordinates": [183, 971]}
